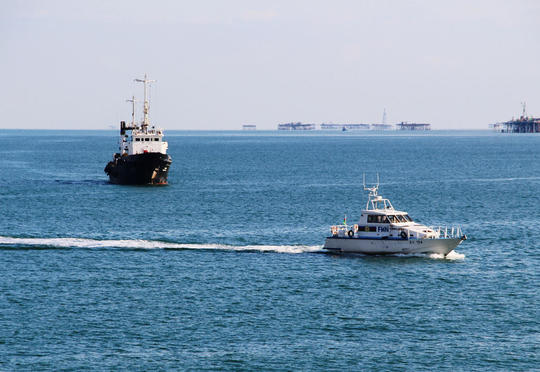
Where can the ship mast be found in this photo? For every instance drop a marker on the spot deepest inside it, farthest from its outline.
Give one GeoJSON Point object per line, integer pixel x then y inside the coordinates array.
{"type": "Point", "coordinates": [132, 100]}
{"type": "Point", "coordinates": [145, 81]}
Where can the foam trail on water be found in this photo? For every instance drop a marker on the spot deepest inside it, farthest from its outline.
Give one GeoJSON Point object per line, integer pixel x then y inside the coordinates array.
{"type": "Point", "coordinates": [450, 256]}
{"type": "Point", "coordinates": [148, 244]}
{"type": "Point", "coordinates": [436, 256]}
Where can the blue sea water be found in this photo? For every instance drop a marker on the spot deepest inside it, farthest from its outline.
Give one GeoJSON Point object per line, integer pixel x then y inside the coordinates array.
{"type": "Point", "coordinates": [223, 269]}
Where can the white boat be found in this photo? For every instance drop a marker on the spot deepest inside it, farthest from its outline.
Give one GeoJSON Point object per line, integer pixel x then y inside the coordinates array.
{"type": "Point", "coordinates": [384, 230]}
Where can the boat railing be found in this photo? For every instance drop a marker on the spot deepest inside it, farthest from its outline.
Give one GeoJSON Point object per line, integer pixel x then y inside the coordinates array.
{"type": "Point", "coordinates": [441, 232]}
{"type": "Point", "coordinates": [447, 232]}
{"type": "Point", "coordinates": [343, 229]}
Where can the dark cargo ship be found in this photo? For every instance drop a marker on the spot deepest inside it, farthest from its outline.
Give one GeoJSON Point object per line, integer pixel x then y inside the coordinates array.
{"type": "Point", "coordinates": [142, 158]}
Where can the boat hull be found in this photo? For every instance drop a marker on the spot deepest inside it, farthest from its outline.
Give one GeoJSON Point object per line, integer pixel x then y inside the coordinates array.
{"type": "Point", "coordinates": [391, 246]}
{"type": "Point", "coordinates": [150, 168]}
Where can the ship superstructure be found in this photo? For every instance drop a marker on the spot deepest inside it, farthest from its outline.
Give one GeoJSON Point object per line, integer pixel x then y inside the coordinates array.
{"type": "Point", "coordinates": [142, 158]}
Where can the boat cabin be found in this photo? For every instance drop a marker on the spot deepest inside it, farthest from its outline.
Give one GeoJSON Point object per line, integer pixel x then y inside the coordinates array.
{"type": "Point", "coordinates": [140, 142]}
{"type": "Point", "coordinates": [379, 220]}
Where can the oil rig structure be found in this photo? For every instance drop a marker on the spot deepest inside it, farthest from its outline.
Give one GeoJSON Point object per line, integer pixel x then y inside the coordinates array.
{"type": "Point", "coordinates": [525, 124]}
{"type": "Point", "coordinates": [413, 126]}
{"type": "Point", "coordinates": [344, 127]}
{"type": "Point", "coordinates": [296, 126]}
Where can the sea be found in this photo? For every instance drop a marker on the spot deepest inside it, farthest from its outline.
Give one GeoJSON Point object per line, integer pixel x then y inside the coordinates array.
{"type": "Point", "coordinates": [223, 269]}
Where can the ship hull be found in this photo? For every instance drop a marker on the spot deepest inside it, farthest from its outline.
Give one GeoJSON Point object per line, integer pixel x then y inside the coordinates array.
{"type": "Point", "coordinates": [391, 246]}
{"type": "Point", "coordinates": [150, 168]}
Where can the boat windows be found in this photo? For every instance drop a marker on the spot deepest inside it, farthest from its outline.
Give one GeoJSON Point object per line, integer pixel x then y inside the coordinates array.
{"type": "Point", "coordinates": [147, 139]}
{"type": "Point", "coordinates": [396, 218]}
{"type": "Point", "coordinates": [373, 218]}
{"type": "Point", "coordinates": [156, 139]}
{"type": "Point", "coordinates": [137, 139]}
{"type": "Point", "coordinates": [408, 218]}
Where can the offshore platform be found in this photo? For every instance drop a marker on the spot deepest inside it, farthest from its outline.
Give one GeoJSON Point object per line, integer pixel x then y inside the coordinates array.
{"type": "Point", "coordinates": [413, 126]}
{"type": "Point", "coordinates": [525, 124]}
{"type": "Point", "coordinates": [296, 126]}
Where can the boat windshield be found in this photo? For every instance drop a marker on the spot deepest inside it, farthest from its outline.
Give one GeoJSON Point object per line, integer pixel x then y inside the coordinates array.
{"type": "Point", "coordinates": [400, 218]}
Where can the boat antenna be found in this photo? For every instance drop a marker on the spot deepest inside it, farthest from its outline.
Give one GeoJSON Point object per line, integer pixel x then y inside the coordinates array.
{"type": "Point", "coordinates": [372, 189]}
{"type": "Point", "coordinates": [384, 116]}
{"type": "Point", "coordinates": [145, 81]}
{"type": "Point", "coordinates": [132, 100]}
{"type": "Point", "coordinates": [524, 105]}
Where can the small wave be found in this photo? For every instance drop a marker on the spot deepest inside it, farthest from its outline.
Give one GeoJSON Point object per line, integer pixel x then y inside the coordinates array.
{"type": "Point", "coordinates": [146, 244]}
{"type": "Point", "coordinates": [83, 182]}
{"type": "Point", "coordinates": [510, 179]}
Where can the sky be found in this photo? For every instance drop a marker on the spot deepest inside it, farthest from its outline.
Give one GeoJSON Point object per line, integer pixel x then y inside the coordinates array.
{"type": "Point", "coordinates": [221, 64]}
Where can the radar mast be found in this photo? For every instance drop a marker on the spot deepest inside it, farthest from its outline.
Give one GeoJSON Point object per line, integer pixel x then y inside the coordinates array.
{"type": "Point", "coordinates": [375, 201]}
{"type": "Point", "coordinates": [373, 189]}
{"type": "Point", "coordinates": [145, 81]}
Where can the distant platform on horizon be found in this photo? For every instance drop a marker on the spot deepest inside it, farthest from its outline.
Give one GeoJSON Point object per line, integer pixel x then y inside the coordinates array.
{"type": "Point", "coordinates": [356, 126]}
{"type": "Point", "coordinates": [525, 124]}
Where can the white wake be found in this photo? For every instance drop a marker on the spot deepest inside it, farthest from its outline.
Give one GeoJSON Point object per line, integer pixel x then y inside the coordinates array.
{"type": "Point", "coordinates": [149, 244]}
{"type": "Point", "coordinates": [436, 256]}
{"type": "Point", "coordinates": [450, 256]}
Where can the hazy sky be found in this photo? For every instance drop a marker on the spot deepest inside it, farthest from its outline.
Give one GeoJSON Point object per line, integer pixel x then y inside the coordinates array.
{"type": "Point", "coordinates": [221, 64]}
